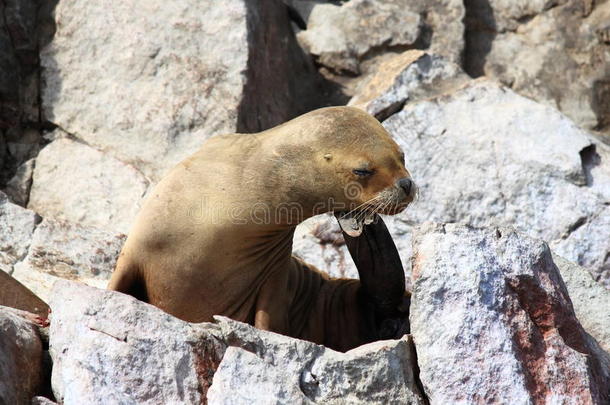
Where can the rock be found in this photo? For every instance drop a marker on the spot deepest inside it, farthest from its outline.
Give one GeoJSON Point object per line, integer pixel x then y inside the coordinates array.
{"type": "Point", "coordinates": [485, 155]}
{"type": "Point", "coordinates": [60, 249]}
{"type": "Point", "coordinates": [20, 358]}
{"type": "Point", "coordinates": [15, 295]}
{"type": "Point", "coordinates": [319, 242]}
{"type": "Point", "coordinates": [525, 46]}
{"type": "Point", "coordinates": [109, 347]}
{"type": "Point", "coordinates": [589, 299]}
{"type": "Point", "coordinates": [168, 76]}
{"type": "Point", "coordinates": [339, 36]}
{"type": "Point", "coordinates": [286, 374]}
{"type": "Point", "coordinates": [78, 183]}
{"type": "Point", "coordinates": [42, 401]}
{"type": "Point", "coordinates": [18, 188]}
{"type": "Point", "coordinates": [493, 323]}
{"type": "Point", "coordinates": [406, 78]}
{"type": "Point", "coordinates": [17, 224]}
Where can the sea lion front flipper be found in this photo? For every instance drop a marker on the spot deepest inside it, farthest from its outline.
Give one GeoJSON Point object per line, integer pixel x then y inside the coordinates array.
{"type": "Point", "coordinates": [381, 273]}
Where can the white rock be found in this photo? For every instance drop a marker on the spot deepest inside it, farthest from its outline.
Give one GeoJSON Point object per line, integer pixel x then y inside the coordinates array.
{"type": "Point", "coordinates": [310, 374]}
{"type": "Point", "coordinates": [484, 155]}
{"type": "Point", "coordinates": [20, 358]}
{"type": "Point", "coordinates": [493, 323]}
{"type": "Point", "coordinates": [17, 225]}
{"type": "Point", "coordinates": [339, 36]}
{"type": "Point", "coordinates": [342, 37]}
{"type": "Point", "coordinates": [60, 249]}
{"type": "Point", "coordinates": [590, 300]}
{"type": "Point", "coordinates": [108, 347]}
{"type": "Point", "coordinates": [168, 75]}
{"type": "Point", "coordinates": [76, 182]}
{"type": "Point", "coordinates": [526, 45]}
{"type": "Point", "coordinates": [403, 79]}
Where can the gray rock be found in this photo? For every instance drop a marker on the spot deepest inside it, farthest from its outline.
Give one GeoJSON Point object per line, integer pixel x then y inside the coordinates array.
{"type": "Point", "coordinates": [108, 347]}
{"type": "Point", "coordinates": [590, 299]}
{"type": "Point", "coordinates": [339, 36]}
{"type": "Point", "coordinates": [18, 188]}
{"type": "Point", "coordinates": [42, 401]}
{"type": "Point", "coordinates": [17, 225]}
{"type": "Point", "coordinates": [20, 358]}
{"type": "Point", "coordinates": [169, 75]}
{"type": "Point", "coordinates": [285, 374]}
{"type": "Point", "coordinates": [78, 183]}
{"type": "Point", "coordinates": [61, 249]}
{"type": "Point", "coordinates": [484, 155]}
{"type": "Point", "coordinates": [493, 323]}
{"type": "Point", "coordinates": [552, 51]}
{"type": "Point", "coordinates": [405, 78]}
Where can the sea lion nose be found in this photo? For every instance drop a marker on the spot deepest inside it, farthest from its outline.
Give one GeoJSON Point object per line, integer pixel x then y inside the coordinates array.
{"type": "Point", "coordinates": [405, 183]}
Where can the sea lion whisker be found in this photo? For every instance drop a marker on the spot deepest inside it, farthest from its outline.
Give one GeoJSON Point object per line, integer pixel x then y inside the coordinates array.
{"type": "Point", "coordinates": [368, 202]}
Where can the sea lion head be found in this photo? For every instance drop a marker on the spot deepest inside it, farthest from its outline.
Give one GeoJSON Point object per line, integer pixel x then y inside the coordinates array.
{"type": "Point", "coordinates": [352, 163]}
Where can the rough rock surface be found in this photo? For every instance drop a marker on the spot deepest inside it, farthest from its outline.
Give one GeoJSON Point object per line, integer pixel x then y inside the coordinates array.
{"type": "Point", "coordinates": [20, 358]}
{"type": "Point", "coordinates": [405, 78]}
{"type": "Point", "coordinates": [61, 249]}
{"type": "Point", "coordinates": [590, 300]}
{"type": "Point", "coordinates": [493, 323]}
{"type": "Point", "coordinates": [556, 52]}
{"type": "Point", "coordinates": [81, 184]}
{"type": "Point", "coordinates": [17, 226]}
{"type": "Point", "coordinates": [18, 187]}
{"type": "Point", "coordinates": [277, 372]}
{"type": "Point", "coordinates": [339, 36]}
{"type": "Point", "coordinates": [169, 75]}
{"type": "Point", "coordinates": [484, 155]}
{"type": "Point", "coordinates": [108, 347]}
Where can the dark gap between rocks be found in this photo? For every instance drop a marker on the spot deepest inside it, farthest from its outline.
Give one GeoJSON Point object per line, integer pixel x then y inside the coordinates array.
{"type": "Point", "coordinates": [589, 159]}
{"type": "Point", "coordinates": [479, 33]}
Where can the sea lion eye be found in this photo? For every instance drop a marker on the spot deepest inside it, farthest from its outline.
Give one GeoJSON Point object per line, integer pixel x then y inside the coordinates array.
{"type": "Point", "coordinates": [363, 172]}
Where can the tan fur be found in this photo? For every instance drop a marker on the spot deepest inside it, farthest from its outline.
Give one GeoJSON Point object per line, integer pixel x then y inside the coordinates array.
{"type": "Point", "coordinates": [201, 244]}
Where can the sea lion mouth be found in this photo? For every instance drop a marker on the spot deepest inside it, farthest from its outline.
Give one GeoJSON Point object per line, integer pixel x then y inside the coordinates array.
{"type": "Point", "coordinates": [353, 222]}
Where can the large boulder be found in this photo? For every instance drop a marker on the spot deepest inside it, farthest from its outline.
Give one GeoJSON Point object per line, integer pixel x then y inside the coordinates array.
{"type": "Point", "coordinates": [78, 183]}
{"type": "Point", "coordinates": [20, 358]}
{"type": "Point", "coordinates": [64, 250]}
{"type": "Point", "coordinates": [109, 347]}
{"type": "Point", "coordinates": [556, 52]}
{"type": "Point", "coordinates": [169, 75]}
{"type": "Point", "coordinates": [493, 323]}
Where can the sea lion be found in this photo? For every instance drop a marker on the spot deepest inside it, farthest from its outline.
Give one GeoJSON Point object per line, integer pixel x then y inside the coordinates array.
{"type": "Point", "coordinates": [215, 235]}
